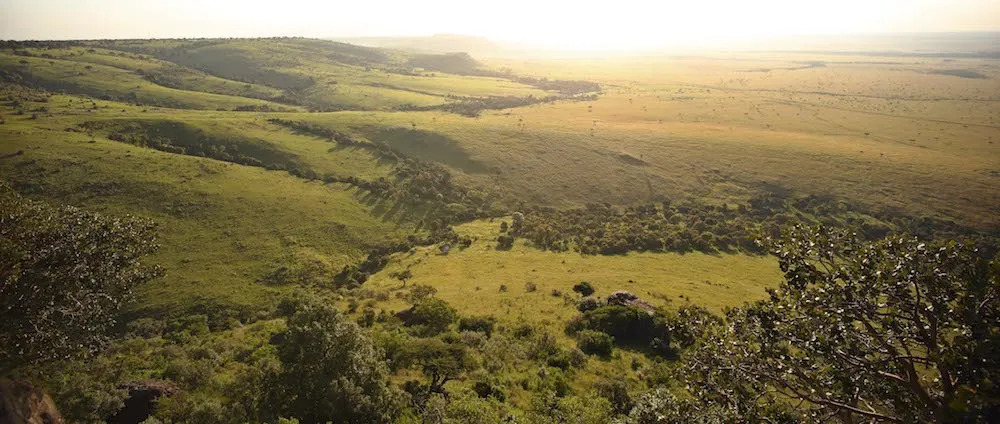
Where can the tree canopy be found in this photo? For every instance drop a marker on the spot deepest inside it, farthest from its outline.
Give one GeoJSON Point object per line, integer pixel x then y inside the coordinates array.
{"type": "Point", "coordinates": [64, 275]}
{"type": "Point", "coordinates": [891, 331]}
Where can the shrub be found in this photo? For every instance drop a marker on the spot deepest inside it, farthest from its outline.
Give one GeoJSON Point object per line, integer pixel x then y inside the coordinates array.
{"type": "Point", "coordinates": [530, 287]}
{"type": "Point", "coordinates": [486, 389]}
{"type": "Point", "coordinates": [595, 343]}
{"type": "Point", "coordinates": [616, 392]}
{"type": "Point", "coordinates": [145, 328]}
{"type": "Point", "coordinates": [628, 325]}
{"type": "Point", "coordinates": [505, 242]}
{"type": "Point", "coordinates": [482, 324]}
{"type": "Point", "coordinates": [584, 288]}
{"type": "Point", "coordinates": [588, 304]}
{"type": "Point", "coordinates": [433, 314]}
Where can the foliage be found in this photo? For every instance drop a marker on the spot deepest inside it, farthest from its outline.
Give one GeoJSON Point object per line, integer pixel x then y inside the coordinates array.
{"type": "Point", "coordinates": [432, 316]}
{"type": "Point", "coordinates": [894, 330]}
{"type": "Point", "coordinates": [628, 325]}
{"type": "Point", "coordinates": [64, 275]}
{"type": "Point", "coordinates": [330, 370]}
{"type": "Point", "coordinates": [438, 360]}
{"type": "Point", "coordinates": [588, 304]}
{"type": "Point", "coordinates": [595, 342]}
{"type": "Point", "coordinates": [584, 288]}
{"type": "Point", "coordinates": [482, 324]}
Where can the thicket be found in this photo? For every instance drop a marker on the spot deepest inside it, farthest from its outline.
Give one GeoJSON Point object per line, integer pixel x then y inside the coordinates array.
{"type": "Point", "coordinates": [691, 226]}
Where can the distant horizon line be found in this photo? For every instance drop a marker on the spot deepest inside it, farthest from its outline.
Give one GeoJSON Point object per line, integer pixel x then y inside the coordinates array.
{"type": "Point", "coordinates": [334, 37]}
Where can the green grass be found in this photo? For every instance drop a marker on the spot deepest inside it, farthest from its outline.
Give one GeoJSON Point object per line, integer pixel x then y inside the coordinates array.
{"type": "Point", "coordinates": [107, 81]}
{"type": "Point", "coordinates": [223, 226]}
{"type": "Point", "coordinates": [470, 279]}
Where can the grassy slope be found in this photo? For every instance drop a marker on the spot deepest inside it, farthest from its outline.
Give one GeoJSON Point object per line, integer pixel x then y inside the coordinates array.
{"type": "Point", "coordinates": [671, 133]}
{"type": "Point", "coordinates": [223, 226]}
{"type": "Point", "coordinates": [696, 127]}
{"type": "Point", "coordinates": [102, 80]}
{"type": "Point", "coordinates": [470, 280]}
{"type": "Point", "coordinates": [326, 73]}
{"type": "Point", "coordinates": [186, 78]}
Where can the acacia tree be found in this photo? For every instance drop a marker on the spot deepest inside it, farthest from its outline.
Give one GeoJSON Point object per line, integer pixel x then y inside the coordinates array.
{"type": "Point", "coordinates": [64, 275]}
{"type": "Point", "coordinates": [890, 331]}
{"type": "Point", "coordinates": [331, 371]}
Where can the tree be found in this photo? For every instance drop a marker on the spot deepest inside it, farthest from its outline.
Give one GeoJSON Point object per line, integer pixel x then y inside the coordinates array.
{"type": "Point", "coordinates": [439, 361]}
{"type": "Point", "coordinates": [64, 275]}
{"type": "Point", "coordinates": [896, 330]}
{"type": "Point", "coordinates": [584, 288]}
{"type": "Point", "coordinates": [433, 314]}
{"type": "Point", "coordinates": [330, 370]}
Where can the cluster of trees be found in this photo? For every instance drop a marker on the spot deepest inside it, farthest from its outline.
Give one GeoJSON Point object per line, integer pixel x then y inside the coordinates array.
{"type": "Point", "coordinates": [621, 320]}
{"type": "Point", "coordinates": [691, 226]}
{"type": "Point", "coordinates": [604, 229]}
{"type": "Point", "coordinates": [566, 87]}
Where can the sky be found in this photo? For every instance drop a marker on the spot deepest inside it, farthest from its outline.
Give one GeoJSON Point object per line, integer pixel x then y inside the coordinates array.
{"type": "Point", "coordinates": [579, 24]}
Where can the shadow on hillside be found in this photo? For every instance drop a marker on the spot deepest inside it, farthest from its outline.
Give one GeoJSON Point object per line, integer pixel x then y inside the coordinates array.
{"type": "Point", "coordinates": [426, 145]}
{"type": "Point", "coordinates": [391, 210]}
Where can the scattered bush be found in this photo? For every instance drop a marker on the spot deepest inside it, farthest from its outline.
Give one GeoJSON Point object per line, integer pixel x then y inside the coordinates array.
{"type": "Point", "coordinates": [482, 324]}
{"type": "Point", "coordinates": [588, 304]}
{"type": "Point", "coordinates": [584, 288]}
{"type": "Point", "coordinates": [595, 343]}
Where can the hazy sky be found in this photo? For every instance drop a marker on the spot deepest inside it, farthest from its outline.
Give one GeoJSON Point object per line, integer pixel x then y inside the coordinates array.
{"type": "Point", "coordinates": [569, 24]}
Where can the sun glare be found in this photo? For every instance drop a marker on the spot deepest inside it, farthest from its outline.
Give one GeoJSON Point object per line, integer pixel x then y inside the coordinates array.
{"type": "Point", "coordinates": [578, 25]}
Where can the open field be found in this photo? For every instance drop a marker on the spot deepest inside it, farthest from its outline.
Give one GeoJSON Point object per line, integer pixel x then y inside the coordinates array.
{"type": "Point", "coordinates": [470, 278]}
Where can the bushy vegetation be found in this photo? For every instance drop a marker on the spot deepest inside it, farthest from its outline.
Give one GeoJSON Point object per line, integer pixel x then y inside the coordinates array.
{"type": "Point", "coordinates": [595, 342]}
{"type": "Point", "coordinates": [628, 325]}
{"type": "Point", "coordinates": [689, 226]}
{"type": "Point", "coordinates": [66, 274]}
{"type": "Point", "coordinates": [893, 330]}
{"type": "Point", "coordinates": [330, 370]}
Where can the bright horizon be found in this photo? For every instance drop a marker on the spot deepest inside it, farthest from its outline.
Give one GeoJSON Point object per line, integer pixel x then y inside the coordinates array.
{"type": "Point", "coordinates": [580, 25]}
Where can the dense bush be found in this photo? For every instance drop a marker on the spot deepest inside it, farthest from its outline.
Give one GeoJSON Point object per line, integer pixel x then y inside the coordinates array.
{"type": "Point", "coordinates": [588, 304]}
{"type": "Point", "coordinates": [595, 342]}
{"type": "Point", "coordinates": [584, 288]}
{"type": "Point", "coordinates": [432, 316]}
{"type": "Point", "coordinates": [690, 226]}
{"type": "Point", "coordinates": [330, 370]}
{"type": "Point", "coordinates": [630, 326]}
{"type": "Point", "coordinates": [482, 324]}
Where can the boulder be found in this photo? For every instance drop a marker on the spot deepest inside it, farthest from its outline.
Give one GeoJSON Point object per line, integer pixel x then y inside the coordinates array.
{"type": "Point", "coordinates": [23, 403]}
